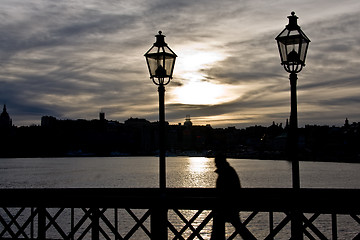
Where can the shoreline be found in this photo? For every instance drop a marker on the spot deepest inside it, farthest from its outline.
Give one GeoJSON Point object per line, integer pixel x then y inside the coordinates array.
{"type": "Point", "coordinates": [247, 157]}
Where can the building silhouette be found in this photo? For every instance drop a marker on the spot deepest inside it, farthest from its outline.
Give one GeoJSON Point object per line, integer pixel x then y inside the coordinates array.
{"type": "Point", "coordinates": [5, 120]}
{"type": "Point", "coordinates": [138, 136]}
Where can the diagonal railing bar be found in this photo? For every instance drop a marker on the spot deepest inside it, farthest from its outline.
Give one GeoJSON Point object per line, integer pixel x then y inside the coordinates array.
{"type": "Point", "coordinates": [13, 218]}
{"type": "Point", "coordinates": [357, 237]}
{"type": "Point", "coordinates": [307, 224]}
{"type": "Point", "coordinates": [250, 217]}
{"type": "Point", "coordinates": [233, 235]}
{"type": "Point", "coordinates": [86, 230]}
{"type": "Point", "coordinates": [308, 234]}
{"type": "Point", "coordinates": [80, 223]}
{"type": "Point", "coordinates": [310, 225]}
{"type": "Point", "coordinates": [355, 217]}
{"type": "Point", "coordinates": [7, 226]}
{"type": "Point", "coordinates": [14, 221]}
{"type": "Point", "coordinates": [54, 223]}
{"type": "Point", "coordinates": [239, 226]}
{"type": "Point", "coordinates": [139, 223]}
{"type": "Point", "coordinates": [188, 224]}
{"type": "Point", "coordinates": [7, 229]}
{"type": "Point", "coordinates": [280, 226]}
{"type": "Point", "coordinates": [104, 234]}
{"type": "Point", "coordinates": [312, 218]}
{"type": "Point", "coordinates": [176, 233]}
{"type": "Point", "coordinates": [247, 220]}
{"type": "Point", "coordinates": [111, 226]}
{"type": "Point", "coordinates": [201, 226]}
{"type": "Point", "coordinates": [236, 232]}
{"type": "Point", "coordinates": [29, 221]}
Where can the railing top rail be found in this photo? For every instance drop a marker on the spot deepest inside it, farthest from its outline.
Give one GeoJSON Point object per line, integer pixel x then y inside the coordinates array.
{"type": "Point", "coordinates": [262, 199]}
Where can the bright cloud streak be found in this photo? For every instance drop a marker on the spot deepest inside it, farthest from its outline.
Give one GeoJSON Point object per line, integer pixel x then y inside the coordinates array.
{"type": "Point", "coordinates": [196, 92]}
{"type": "Point", "coordinates": [193, 59]}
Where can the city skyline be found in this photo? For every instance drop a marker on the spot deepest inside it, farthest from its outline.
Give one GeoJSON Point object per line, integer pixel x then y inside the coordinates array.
{"type": "Point", "coordinates": [74, 59]}
{"type": "Point", "coordinates": [185, 121]}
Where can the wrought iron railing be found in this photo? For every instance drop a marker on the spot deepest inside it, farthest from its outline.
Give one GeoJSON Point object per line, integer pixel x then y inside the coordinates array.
{"type": "Point", "coordinates": [183, 213]}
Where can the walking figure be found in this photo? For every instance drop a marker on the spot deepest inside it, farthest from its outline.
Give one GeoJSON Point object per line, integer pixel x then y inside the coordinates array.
{"type": "Point", "coordinates": [227, 185]}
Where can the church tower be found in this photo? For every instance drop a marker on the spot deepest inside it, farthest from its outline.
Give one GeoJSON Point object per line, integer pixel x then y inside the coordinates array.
{"type": "Point", "coordinates": [5, 120]}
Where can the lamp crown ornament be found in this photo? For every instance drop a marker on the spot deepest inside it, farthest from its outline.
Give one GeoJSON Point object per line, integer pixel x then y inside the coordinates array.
{"type": "Point", "coordinates": [160, 40]}
{"type": "Point", "coordinates": [292, 22]}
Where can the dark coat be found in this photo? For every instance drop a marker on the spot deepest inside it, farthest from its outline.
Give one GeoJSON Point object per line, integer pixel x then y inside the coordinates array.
{"type": "Point", "coordinates": [228, 181]}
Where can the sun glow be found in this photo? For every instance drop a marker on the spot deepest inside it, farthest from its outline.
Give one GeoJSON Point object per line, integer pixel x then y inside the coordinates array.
{"type": "Point", "coordinates": [196, 60]}
{"type": "Point", "coordinates": [201, 93]}
{"type": "Point", "coordinates": [191, 69]}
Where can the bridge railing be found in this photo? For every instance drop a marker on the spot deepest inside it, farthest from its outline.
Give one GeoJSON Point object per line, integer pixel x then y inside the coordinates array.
{"type": "Point", "coordinates": [175, 213]}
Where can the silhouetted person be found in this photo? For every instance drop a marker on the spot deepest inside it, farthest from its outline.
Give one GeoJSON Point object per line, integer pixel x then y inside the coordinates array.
{"type": "Point", "coordinates": [227, 185]}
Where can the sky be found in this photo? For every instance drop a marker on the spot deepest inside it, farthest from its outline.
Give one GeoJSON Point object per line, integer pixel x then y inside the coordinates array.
{"type": "Point", "coordinates": [72, 59]}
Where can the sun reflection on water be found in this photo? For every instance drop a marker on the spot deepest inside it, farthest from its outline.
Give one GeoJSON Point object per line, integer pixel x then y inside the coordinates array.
{"type": "Point", "coordinates": [200, 172]}
{"type": "Point", "coordinates": [198, 164]}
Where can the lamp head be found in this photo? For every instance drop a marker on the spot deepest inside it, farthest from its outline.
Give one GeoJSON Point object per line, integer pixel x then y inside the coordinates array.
{"type": "Point", "coordinates": [160, 60]}
{"type": "Point", "coordinates": [293, 45]}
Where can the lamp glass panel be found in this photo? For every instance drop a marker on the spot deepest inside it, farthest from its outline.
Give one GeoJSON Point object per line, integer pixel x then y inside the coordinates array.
{"type": "Point", "coordinates": [153, 65]}
{"type": "Point", "coordinates": [283, 52]}
{"type": "Point", "coordinates": [169, 64]}
{"type": "Point", "coordinates": [303, 50]}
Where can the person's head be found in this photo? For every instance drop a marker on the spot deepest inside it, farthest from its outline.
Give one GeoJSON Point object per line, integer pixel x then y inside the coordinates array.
{"type": "Point", "coordinates": [220, 160]}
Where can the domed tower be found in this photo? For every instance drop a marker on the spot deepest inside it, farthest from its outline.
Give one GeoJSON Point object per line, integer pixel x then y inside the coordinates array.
{"type": "Point", "coordinates": [187, 122]}
{"type": "Point", "coordinates": [5, 120]}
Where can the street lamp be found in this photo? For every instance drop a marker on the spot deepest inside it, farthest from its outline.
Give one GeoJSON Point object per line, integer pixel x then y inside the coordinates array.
{"type": "Point", "coordinates": [293, 45]}
{"type": "Point", "coordinates": [160, 60]}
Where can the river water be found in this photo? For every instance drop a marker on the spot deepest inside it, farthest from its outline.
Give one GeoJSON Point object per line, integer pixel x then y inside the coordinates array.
{"type": "Point", "coordinates": [143, 172]}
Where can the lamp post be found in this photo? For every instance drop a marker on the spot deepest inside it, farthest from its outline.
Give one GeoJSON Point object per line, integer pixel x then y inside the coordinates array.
{"type": "Point", "coordinates": [160, 60]}
{"type": "Point", "coordinates": [293, 45]}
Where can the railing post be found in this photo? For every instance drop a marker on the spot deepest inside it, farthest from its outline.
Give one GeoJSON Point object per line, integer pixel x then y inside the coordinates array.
{"type": "Point", "coordinates": [271, 223]}
{"type": "Point", "coordinates": [334, 226]}
{"type": "Point", "coordinates": [296, 225]}
{"type": "Point", "coordinates": [72, 217]}
{"type": "Point", "coordinates": [32, 224]}
{"type": "Point", "coordinates": [41, 223]}
{"type": "Point", "coordinates": [218, 230]}
{"type": "Point", "coordinates": [95, 214]}
{"type": "Point", "coordinates": [158, 223]}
